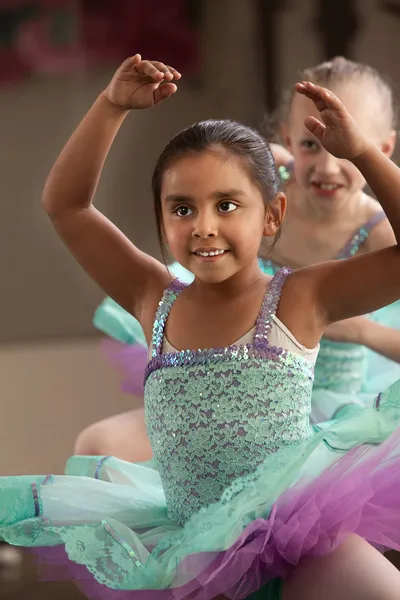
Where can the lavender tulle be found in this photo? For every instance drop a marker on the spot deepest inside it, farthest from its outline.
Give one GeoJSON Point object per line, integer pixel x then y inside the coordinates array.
{"type": "Point", "coordinates": [130, 361]}
{"type": "Point", "coordinates": [358, 494]}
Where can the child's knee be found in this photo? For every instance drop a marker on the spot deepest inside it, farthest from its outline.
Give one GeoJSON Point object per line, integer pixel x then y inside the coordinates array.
{"type": "Point", "coordinates": [123, 436]}
{"type": "Point", "coordinates": [354, 571]}
{"type": "Point", "coordinates": [90, 441]}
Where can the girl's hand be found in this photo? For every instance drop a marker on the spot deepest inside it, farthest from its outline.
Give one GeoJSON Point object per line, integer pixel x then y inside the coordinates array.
{"type": "Point", "coordinates": [337, 131]}
{"type": "Point", "coordinates": [141, 84]}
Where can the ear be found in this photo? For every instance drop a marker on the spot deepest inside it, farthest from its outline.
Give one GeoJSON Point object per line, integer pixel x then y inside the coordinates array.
{"type": "Point", "coordinates": [389, 144]}
{"type": "Point", "coordinates": [274, 215]}
{"type": "Point", "coordinates": [285, 134]}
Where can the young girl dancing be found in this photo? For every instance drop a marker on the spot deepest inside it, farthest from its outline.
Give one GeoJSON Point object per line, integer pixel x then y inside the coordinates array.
{"type": "Point", "coordinates": [329, 216]}
{"type": "Point", "coordinates": [245, 493]}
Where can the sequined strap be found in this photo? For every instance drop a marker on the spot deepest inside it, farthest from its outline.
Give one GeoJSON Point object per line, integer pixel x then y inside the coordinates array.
{"type": "Point", "coordinates": [352, 246]}
{"type": "Point", "coordinates": [269, 306]}
{"type": "Point", "coordinates": [263, 325]}
{"type": "Point", "coordinates": [164, 306]}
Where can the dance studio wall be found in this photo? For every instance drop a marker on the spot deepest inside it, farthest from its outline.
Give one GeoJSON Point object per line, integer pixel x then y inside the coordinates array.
{"type": "Point", "coordinates": [53, 378]}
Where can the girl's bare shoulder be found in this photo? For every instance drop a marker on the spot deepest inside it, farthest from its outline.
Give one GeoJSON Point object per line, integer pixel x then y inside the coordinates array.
{"type": "Point", "coordinates": [381, 235]}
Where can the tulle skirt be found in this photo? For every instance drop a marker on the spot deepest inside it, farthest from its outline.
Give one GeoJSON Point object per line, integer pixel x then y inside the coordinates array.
{"type": "Point", "coordinates": [105, 523]}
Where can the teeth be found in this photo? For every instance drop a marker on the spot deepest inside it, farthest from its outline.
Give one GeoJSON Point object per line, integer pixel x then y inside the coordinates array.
{"type": "Point", "coordinates": [327, 186]}
{"type": "Point", "coordinates": [213, 253]}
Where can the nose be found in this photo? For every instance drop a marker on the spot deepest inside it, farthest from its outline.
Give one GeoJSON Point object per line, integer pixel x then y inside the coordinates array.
{"type": "Point", "coordinates": [205, 225]}
{"type": "Point", "coordinates": [327, 164]}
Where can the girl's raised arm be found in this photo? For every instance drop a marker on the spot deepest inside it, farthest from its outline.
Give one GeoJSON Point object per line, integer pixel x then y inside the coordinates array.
{"type": "Point", "coordinates": [360, 285]}
{"type": "Point", "coordinates": [120, 269]}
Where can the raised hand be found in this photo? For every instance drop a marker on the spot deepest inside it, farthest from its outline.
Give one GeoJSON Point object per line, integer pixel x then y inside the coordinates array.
{"type": "Point", "coordinates": [336, 130]}
{"type": "Point", "coordinates": [141, 83]}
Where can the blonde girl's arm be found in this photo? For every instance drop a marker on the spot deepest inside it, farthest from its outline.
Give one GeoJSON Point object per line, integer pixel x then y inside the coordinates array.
{"type": "Point", "coordinates": [362, 330]}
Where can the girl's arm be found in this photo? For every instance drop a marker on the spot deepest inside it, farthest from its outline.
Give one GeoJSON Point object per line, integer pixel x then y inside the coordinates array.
{"type": "Point", "coordinates": [121, 270]}
{"type": "Point", "coordinates": [360, 285]}
{"type": "Point", "coordinates": [361, 330]}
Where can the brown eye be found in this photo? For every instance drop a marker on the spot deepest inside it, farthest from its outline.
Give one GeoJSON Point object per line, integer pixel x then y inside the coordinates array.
{"type": "Point", "coordinates": [227, 207]}
{"type": "Point", "coordinates": [183, 211]}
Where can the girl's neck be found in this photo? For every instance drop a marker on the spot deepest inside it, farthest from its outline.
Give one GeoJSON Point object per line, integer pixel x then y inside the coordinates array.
{"type": "Point", "coordinates": [240, 283]}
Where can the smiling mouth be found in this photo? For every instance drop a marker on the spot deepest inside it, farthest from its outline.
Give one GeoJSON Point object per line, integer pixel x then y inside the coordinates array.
{"type": "Point", "coordinates": [209, 253]}
{"type": "Point", "coordinates": [327, 187]}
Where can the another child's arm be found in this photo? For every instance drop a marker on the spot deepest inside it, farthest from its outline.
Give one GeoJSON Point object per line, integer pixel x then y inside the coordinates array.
{"type": "Point", "coordinates": [121, 270]}
{"type": "Point", "coordinates": [361, 330]}
{"type": "Point", "coordinates": [343, 289]}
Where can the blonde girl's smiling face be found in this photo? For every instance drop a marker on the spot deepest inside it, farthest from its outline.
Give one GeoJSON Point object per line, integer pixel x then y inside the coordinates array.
{"type": "Point", "coordinates": [214, 216]}
{"type": "Point", "coordinates": [326, 180]}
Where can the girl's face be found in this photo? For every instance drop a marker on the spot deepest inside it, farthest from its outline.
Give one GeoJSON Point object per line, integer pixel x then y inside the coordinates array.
{"type": "Point", "coordinates": [327, 181]}
{"type": "Point", "coordinates": [214, 217]}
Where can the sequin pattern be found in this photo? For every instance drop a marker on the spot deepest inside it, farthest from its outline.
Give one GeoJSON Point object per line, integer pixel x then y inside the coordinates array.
{"type": "Point", "coordinates": [359, 237]}
{"type": "Point", "coordinates": [340, 367]}
{"type": "Point", "coordinates": [214, 415]}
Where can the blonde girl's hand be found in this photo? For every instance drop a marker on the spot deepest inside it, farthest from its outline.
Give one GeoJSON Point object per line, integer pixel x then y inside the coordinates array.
{"type": "Point", "coordinates": [139, 84]}
{"type": "Point", "coordinates": [336, 129]}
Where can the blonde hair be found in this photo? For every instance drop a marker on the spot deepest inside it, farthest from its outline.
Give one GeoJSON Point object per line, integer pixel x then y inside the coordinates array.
{"type": "Point", "coordinates": [332, 73]}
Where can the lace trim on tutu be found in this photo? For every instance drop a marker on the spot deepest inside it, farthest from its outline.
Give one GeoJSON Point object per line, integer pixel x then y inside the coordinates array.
{"type": "Point", "coordinates": [304, 501]}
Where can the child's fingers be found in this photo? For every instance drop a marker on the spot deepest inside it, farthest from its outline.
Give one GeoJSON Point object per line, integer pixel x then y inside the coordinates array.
{"type": "Point", "coordinates": [168, 75]}
{"type": "Point", "coordinates": [164, 91]}
{"type": "Point", "coordinates": [147, 68]}
{"type": "Point", "coordinates": [169, 72]}
{"type": "Point", "coordinates": [309, 90]}
{"type": "Point", "coordinates": [153, 69]}
{"type": "Point", "coordinates": [174, 72]}
{"type": "Point", "coordinates": [306, 90]}
{"type": "Point", "coordinates": [130, 62]}
{"type": "Point", "coordinates": [134, 60]}
{"type": "Point", "coordinates": [318, 94]}
{"type": "Point", "coordinates": [315, 127]}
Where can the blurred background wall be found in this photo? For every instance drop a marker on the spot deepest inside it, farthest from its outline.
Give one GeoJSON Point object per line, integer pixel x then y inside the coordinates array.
{"type": "Point", "coordinates": [55, 57]}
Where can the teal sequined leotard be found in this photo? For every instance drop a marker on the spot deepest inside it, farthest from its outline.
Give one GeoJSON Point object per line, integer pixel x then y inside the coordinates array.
{"type": "Point", "coordinates": [213, 416]}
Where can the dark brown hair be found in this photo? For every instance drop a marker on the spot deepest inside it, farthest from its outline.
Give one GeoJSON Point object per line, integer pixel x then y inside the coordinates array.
{"type": "Point", "coordinates": [232, 138]}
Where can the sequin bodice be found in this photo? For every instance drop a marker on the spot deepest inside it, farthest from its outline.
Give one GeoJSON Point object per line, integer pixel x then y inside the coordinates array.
{"type": "Point", "coordinates": [340, 367]}
{"type": "Point", "coordinates": [213, 416]}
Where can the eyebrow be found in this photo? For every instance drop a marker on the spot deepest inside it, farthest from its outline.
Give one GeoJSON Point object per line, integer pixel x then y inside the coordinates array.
{"type": "Point", "coordinates": [217, 195]}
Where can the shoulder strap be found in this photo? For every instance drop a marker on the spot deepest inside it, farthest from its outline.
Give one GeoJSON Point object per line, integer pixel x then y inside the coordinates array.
{"type": "Point", "coordinates": [169, 296]}
{"type": "Point", "coordinates": [269, 306]}
{"type": "Point", "coordinates": [358, 238]}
